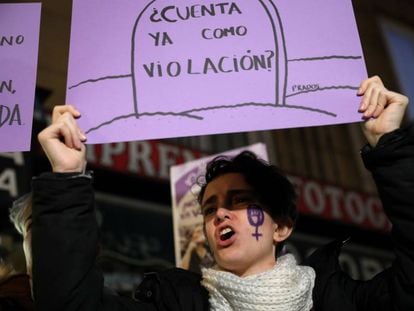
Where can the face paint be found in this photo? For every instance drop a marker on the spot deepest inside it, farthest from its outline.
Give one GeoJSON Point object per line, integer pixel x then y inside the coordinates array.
{"type": "Point", "coordinates": [255, 215]}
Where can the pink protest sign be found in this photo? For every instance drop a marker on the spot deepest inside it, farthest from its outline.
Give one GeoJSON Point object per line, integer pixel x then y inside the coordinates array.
{"type": "Point", "coordinates": [162, 68]}
{"type": "Point", "coordinates": [19, 40]}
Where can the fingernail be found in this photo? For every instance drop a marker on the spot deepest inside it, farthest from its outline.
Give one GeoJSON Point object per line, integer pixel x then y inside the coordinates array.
{"type": "Point", "coordinates": [75, 109]}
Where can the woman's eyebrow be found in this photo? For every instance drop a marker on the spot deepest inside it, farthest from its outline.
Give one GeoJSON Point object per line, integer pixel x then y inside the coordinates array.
{"type": "Point", "coordinates": [234, 192]}
{"type": "Point", "coordinates": [211, 199]}
{"type": "Point", "coordinates": [230, 194]}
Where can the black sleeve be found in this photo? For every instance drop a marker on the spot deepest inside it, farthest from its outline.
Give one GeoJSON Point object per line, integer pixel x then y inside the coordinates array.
{"type": "Point", "coordinates": [174, 289]}
{"type": "Point", "coordinates": [65, 246]}
{"type": "Point", "coordinates": [392, 165]}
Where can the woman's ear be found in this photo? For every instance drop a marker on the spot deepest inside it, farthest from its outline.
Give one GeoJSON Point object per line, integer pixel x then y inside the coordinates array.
{"type": "Point", "coordinates": [282, 232]}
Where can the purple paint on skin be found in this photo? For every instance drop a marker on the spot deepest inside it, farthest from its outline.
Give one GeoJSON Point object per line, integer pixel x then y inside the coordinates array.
{"type": "Point", "coordinates": [255, 216]}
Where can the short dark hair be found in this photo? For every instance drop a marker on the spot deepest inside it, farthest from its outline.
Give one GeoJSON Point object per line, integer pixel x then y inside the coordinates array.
{"type": "Point", "coordinates": [275, 192]}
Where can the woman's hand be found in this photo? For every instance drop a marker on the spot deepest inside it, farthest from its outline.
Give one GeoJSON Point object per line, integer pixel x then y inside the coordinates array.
{"type": "Point", "coordinates": [63, 141]}
{"type": "Point", "coordinates": [383, 110]}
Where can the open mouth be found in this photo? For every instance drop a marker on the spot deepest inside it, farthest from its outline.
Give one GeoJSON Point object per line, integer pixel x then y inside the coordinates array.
{"type": "Point", "coordinates": [226, 233]}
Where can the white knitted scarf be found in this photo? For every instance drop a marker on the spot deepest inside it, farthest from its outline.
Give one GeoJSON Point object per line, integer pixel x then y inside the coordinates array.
{"type": "Point", "coordinates": [286, 287]}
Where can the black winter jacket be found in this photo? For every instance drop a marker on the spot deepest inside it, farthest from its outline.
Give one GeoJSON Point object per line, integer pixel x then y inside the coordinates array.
{"type": "Point", "coordinates": [65, 242]}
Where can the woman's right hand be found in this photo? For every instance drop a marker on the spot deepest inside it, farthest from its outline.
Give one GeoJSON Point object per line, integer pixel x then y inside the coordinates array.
{"type": "Point", "coordinates": [63, 141]}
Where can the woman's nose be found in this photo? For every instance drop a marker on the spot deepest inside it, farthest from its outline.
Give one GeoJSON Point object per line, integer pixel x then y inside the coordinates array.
{"type": "Point", "coordinates": [222, 214]}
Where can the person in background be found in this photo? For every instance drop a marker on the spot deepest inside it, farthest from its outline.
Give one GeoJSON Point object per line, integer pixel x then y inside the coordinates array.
{"type": "Point", "coordinates": [249, 210]}
{"type": "Point", "coordinates": [20, 215]}
{"type": "Point", "coordinates": [15, 287]}
{"type": "Point", "coordinates": [15, 292]}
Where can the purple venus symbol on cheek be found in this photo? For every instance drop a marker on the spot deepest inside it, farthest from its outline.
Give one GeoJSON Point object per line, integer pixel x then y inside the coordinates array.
{"type": "Point", "coordinates": [255, 216]}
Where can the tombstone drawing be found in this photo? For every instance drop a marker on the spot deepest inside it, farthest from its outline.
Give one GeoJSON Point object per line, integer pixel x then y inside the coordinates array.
{"type": "Point", "coordinates": [173, 79]}
{"type": "Point", "coordinates": [220, 67]}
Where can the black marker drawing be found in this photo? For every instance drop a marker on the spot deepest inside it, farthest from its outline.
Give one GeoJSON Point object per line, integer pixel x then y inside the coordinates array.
{"type": "Point", "coordinates": [255, 215]}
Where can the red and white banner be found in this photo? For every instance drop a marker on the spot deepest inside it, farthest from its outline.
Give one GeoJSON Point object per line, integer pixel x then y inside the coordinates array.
{"type": "Point", "coordinates": [153, 159]}
{"type": "Point", "coordinates": [145, 158]}
{"type": "Point", "coordinates": [339, 204]}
